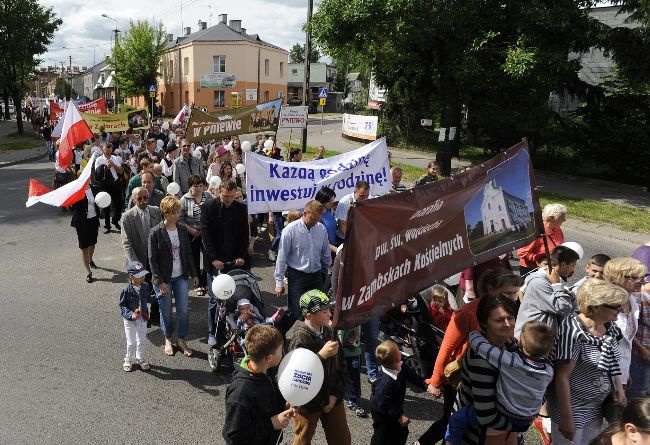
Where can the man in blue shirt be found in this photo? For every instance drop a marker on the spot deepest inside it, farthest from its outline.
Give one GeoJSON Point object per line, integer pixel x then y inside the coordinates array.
{"type": "Point", "coordinates": [305, 255]}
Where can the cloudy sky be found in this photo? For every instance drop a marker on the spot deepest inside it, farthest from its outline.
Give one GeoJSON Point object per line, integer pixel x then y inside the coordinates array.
{"type": "Point", "coordinates": [87, 35]}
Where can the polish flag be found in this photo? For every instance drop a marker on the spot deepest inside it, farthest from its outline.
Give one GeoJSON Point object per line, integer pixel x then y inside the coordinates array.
{"type": "Point", "coordinates": [180, 117]}
{"type": "Point", "coordinates": [64, 196]}
{"type": "Point", "coordinates": [75, 130]}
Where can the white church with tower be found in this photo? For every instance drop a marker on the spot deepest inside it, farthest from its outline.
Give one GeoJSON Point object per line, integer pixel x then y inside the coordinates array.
{"type": "Point", "coordinates": [502, 211]}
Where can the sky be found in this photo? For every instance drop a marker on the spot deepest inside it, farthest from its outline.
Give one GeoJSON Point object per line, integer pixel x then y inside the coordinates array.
{"type": "Point", "coordinates": [86, 35]}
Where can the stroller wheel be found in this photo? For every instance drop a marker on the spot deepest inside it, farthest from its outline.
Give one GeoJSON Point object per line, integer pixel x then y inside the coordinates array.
{"type": "Point", "coordinates": [214, 359]}
{"type": "Point", "coordinates": [416, 370]}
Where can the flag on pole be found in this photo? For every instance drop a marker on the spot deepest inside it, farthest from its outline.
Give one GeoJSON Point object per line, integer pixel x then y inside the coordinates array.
{"type": "Point", "coordinates": [75, 130]}
{"type": "Point", "coordinates": [56, 133]}
{"type": "Point", "coordinates": [180, 117]}
{"type": "Point", "coordinates": [64, 196]}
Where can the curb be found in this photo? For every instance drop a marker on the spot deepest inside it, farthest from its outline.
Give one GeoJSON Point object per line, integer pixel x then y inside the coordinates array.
{"type": "Point", "coordinates": [23, 161]}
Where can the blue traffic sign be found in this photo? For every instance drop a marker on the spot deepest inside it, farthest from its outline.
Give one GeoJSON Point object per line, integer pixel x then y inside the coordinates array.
{"type": "Point", "coordinates": [152, 88]}
{"type": "Point", "coordinates": [322, 92]}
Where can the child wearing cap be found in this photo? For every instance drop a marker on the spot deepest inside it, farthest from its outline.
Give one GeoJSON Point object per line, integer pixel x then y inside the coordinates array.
{"type": "Point", "coordinates": [248, 315]}
{"type": "Point", "coordinates": [315, 334]}
{"type": "Point", "coordinates": [133, 306]}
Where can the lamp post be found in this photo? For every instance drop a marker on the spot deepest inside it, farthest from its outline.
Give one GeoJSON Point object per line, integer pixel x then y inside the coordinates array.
{"type": "Point", "coordinates": [306, 96]}
{"type": "Point", "coordinates": [117, 103]}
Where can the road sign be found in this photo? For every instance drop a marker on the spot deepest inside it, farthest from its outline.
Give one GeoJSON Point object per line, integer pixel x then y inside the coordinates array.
{"type": "Point", "coordinates": [152, 94]}
{"type": "Point", "coordinates": [152, 88]}
{"type": "Point", "coordinates": [322, 101]}
{"type": "Point", "coordinates": [322, 93]}
{"type": "Point", "coordinates": [426, 122]}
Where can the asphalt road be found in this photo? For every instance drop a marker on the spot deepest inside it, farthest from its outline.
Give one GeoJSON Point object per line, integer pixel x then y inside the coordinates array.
{"type": "Point", "coordinates": [64, 340]}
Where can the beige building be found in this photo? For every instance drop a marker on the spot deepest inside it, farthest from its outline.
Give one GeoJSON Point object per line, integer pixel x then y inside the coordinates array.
{"type": "Point", "coordinates": [219, 67]}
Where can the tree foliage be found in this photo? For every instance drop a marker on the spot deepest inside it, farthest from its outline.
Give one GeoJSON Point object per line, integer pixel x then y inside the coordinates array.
{"type": "Point", "coordinates": [136, 58]}
{"type": "Point", "coordinates": [26, 28]}
{"type": "Point", "coordinates": [62, 88]}
{"type": "Point", "coordinates": [297, 54]}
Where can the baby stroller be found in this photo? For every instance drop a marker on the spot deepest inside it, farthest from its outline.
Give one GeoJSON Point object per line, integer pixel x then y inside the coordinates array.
{"type": "Point", "coordinates": [227, 334]}
{"type": "Point", "coordinates": [416, 336]}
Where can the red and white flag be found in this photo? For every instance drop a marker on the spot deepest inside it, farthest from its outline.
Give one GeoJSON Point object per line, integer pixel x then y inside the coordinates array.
{"type": "Point", "coordinates": [180, 117]}
{"type": "Point", "coordinates": [75, 130]}
{"type": "Point", "coordinates": [65, 195]}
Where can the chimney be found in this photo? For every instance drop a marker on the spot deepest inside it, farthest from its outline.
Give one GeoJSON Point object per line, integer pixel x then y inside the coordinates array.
{"type": "Point", "coordinates": [203, 25]}
{"type": "Point", "coordinates": [235, 25]}
{"type": "Point", "coordinates": [188, 30]}
{"type": "Point", "coordinates": [243, 30]}
{"type": "Point", "coordinates": [170, 37]}
{"type": "Point", "coordinates": [223, 18]}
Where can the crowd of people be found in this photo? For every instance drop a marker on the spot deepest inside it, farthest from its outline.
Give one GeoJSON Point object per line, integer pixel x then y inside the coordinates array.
{"type": "Point", "coordinates": [519, 346]}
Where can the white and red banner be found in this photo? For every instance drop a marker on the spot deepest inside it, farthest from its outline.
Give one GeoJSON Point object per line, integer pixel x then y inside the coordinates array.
{"type": "Point", "coordinates": [180, 117]}
{"type": "Point", "coordinates": [75, 131]}
{"type": "Point", "coordinates": [293, 117]}
{"type": "Point", "coordinates": [65, 195]}
{"type": "Point", "coordinates": [97, 106]}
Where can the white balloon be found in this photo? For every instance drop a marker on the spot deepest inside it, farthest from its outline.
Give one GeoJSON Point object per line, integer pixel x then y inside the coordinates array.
{"type": "Point", "coordinates": [577, 248]}
{"type": "Point", "coordinates": [165, 126]}
{"type": "Point", "coordinates": [215, 182]}
{"type": "Point", "coordinates": [223, 286]}
{"type": "Point", "coordinates": [173, 188]}
{"type": "Point", "coordinates": [229, 146]}
{"type": "Point", "coordinates": [246, 146]}
{"type": "Point", "coordinates": [240, 168]}
{"type": "Point", "coordinates": [197, 152]}
{"type": "Point", "coordinates": [268, 144]}
{"type": "Point", "coordinates": [300, 376]}
{"type": "Point", "coordinates": [103, 200]}
{"type": "Point", "coordinates": [160, 143]}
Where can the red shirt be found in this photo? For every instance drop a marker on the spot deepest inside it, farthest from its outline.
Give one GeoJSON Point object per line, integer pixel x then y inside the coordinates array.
{"type": "Point", "coordinates": [530, 254]}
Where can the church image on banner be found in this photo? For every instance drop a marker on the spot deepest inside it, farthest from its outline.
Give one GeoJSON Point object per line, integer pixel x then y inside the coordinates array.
{"type": "Point", "coordinates": [502, 211]}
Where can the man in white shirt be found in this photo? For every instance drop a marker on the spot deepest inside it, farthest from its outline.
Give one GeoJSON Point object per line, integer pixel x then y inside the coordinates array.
{"type": "Point", "coordinates": [108, 172]}
{"type": "Point", "coordinates": [361, 193]}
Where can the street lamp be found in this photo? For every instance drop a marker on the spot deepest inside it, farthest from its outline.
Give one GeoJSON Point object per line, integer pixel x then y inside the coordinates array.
{"type": "Point", "coordinates": [114, 42]}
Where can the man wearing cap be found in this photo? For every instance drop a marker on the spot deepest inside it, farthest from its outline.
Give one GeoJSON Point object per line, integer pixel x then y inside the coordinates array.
{"type": "Point", "coordinates": [305, 254]}
{"type": "Point", "coordinates": [316, 335]}
{"type": "Point", "coordinates": [185, 166]}
{"type": "Point", "coordinates": [136, 224]}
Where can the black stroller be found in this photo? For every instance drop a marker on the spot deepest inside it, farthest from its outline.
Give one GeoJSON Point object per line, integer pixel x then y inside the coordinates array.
{"type": "Point", "coordinates": [416, 336]}
{"type": "Point", "coordinates": [227, 334]}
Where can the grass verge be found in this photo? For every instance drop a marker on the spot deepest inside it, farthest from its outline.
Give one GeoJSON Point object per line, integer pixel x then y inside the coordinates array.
{"type": "Point", "coordinates": [624, 217]}
{"type": "Point", "coordinates": [21, 145]}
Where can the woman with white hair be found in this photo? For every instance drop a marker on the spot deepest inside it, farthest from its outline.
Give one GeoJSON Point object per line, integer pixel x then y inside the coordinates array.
{"type": "Point", "coordinates": [587, 358]}
{"type": "Point", "coordinates": [530, 256]}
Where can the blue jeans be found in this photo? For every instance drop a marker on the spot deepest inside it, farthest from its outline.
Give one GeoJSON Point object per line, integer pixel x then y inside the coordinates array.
{"type": "Point", "coordinates": [299, 283]}
{"type": "Point", "coordinates": [640, 375]}
{"type": "Point", "coordinates": [459, 422]}
{"type": "Point", "coordinates": [278, 225]}
{"type": "Point", "coordinates": [370, 332]}
{"type": "Point", "coordinates": [179, 288]}
{"type": "Point", "coordinates": [353, 388]}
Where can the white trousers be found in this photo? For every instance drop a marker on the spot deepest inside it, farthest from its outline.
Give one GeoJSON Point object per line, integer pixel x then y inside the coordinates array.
{"type": "Point", "coordinates": [136, 337]}
{"type": "Point", "coordinates": [582, 436]}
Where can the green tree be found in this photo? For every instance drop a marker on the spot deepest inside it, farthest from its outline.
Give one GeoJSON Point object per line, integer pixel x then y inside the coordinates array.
{"type": "Point", "coordinates": [26, 28]}
{"type": "Point", "coordinates": [62, 88]}
{"type": "Point", "coordinates": [136, 58]}
{"type": "Point", "coordinates": [297, 54]}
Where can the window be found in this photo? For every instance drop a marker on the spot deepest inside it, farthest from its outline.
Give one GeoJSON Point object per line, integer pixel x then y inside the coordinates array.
{"type": "Point", "coordinates": [281, 69]}
{"type": "Point", "coordinates": [294, 71]}
{"type": "Point", "coordinates": [186, 66]}
{"type": "Point", "coordinates": [187, 97]}
{"type": "Point", "coordinates": [219, 64]}
{"type": "Point", "coordinates": [489, 206]}
{"type": "Point", "coordinates": [219, 99]}
{"type": "Point", "coordinates": [266, 67]}
{"type": "Point", "coordinates": [171, 68]}
{"type": "Point", "coordinates": [266, 96]}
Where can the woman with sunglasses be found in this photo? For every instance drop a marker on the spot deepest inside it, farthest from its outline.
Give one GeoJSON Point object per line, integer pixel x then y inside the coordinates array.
{"type": "Point", "coordinates": [633, 320]}
{"type": "Point", "coordinates": [587, 358]}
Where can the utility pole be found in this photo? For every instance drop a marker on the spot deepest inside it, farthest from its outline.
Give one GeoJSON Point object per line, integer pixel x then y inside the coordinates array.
{"type": "Point", "coordinates": [70, 74]}
{"type": "Point", "coordinates": [306, 96]}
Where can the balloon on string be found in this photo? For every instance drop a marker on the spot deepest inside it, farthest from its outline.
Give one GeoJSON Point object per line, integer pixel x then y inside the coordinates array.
{"type": "Point", "coordinates": [300, 376]}
{"type": "Point", "coordinates": [173, 188]}
{"type": "Point", "coordinates": [240, 168]}
{"type": "Point", "coordinates": [223, 286]}
{"type": "Point", "coordinates": [103, 200]}
{"type": "Point", "coordinates": [165, 126]}
{"type": "Point", "coordinates": [215, 182]}
{"type": "Point", "coordinates": [577, 248]}
{"type": "Point", "coordinates": [268, 144]}
{"type": "Point", "coordinates": [246, 146]}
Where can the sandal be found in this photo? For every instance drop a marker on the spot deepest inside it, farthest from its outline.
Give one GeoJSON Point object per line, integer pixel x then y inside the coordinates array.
{"type": "Point", "coordinates": [145, 366]}
{"type": "Point", "coordinates": [169, 349]}
{"type": "Point", "coordinates": [200, 291]}
{"type": "Point", "coordinates": [183, 347]}
{"type": "Point", "coordinates": [127, 366]}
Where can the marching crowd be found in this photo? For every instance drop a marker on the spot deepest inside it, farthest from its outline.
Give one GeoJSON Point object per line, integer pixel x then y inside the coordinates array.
{"type": "Point", "coordinates": [519, 347]}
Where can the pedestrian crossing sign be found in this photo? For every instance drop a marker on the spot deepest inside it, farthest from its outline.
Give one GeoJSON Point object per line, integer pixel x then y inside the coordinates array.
{"type": "Point", "coordinates": [152, 88]}
{"type": "Point", "coordinates": [322, 93]}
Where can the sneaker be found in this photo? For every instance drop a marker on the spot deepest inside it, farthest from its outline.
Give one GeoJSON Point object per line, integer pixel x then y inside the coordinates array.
{"type": "Point", "coordinates": [127, 366]}
{"type": "Point", "coordinates": [272, 256]}
{"type": "Point", "coordinates": [212, 340]}
{"type": "Point", "coordinates": [358, 411]}
{"type": "Point", "coordinates": [145, 366]}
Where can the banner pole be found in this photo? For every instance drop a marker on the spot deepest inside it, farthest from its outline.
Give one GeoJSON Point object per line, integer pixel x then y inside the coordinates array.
{"type": "Point", "coordinates": [548, 254]}
{"type": "Point", "coordinates": [290, 134]}
{"type": "Point", "coordinates": [322, 111]}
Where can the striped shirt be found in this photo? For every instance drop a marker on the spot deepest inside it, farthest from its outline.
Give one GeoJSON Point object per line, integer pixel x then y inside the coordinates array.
{"type": "Point", "coordinates": [596, 362]}
{"type": "Point", "coordinates": [643, 332]}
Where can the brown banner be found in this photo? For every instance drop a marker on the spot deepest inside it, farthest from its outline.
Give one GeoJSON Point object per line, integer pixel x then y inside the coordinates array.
{"type": "Point", "coordinates": [262, 117]}
{"type": "Point", "coordinates": [398, 245]}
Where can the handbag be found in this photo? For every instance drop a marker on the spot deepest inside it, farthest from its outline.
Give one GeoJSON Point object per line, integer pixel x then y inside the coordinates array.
{"type": "Point", "coordinates": [452, 373]}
